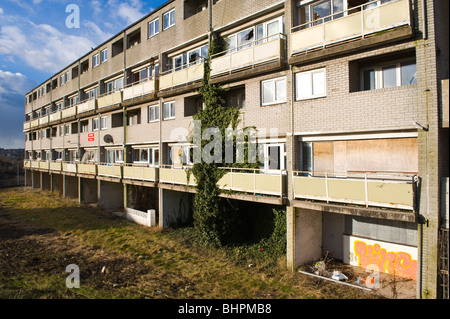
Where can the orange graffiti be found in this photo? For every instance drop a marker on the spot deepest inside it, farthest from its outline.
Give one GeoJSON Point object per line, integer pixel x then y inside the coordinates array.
{"type": "Point", "coordinates": [395, 263]}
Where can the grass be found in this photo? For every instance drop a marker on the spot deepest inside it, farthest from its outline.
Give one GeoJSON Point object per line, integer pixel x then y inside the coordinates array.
{"type": "Point", "coordinates": [140, 262]}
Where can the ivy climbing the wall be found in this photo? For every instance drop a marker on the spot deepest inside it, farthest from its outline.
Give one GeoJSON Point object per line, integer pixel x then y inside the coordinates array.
{"type": "Point", "coordinates": [214, 216]}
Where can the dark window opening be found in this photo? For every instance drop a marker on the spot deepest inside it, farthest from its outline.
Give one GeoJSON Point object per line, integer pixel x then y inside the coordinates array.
{"type": "Point", "coordinates": [117, 120]}
{"type": "Point", "coordinates": [192, 7]}
{"type": "Point", "coordinates": [117, 47]}
{"type": "Point", "coordinates": [134, 38]}
{"type": "Point", "coordinates": [192, 105]}
{"type": "Point", "coordinates": [84, 66]}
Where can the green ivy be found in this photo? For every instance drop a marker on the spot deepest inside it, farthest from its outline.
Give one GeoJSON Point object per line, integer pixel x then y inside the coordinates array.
{"type": "Point", "coordinates": [214, 216]}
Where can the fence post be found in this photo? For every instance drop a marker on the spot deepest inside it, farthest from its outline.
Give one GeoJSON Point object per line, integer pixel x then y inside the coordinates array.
{"type": "Point", "coordinates": [151, 217]}
{"type": "Point", "coordinates": [366, 190]}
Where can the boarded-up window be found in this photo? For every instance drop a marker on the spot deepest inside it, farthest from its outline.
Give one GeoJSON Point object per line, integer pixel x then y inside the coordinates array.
{"type": "Point", "coordinates": [395, 155]}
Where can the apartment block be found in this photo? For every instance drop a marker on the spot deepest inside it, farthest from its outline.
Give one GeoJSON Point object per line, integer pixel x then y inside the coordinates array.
{"type": "Point", "coordinates": [349, 99]}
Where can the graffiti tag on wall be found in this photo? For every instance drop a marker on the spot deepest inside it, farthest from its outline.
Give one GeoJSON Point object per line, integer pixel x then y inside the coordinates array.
{"type": "Point", "coordinates": [394, 259]}
{"type": "Point", "coordinates": [395, 263]}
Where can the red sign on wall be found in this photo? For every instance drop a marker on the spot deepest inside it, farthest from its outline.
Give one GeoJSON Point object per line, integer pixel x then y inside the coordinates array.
{"type": "Point", "coordinates": [91, 137]}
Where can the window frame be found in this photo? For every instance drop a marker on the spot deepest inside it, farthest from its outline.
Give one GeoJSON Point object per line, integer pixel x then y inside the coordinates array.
{"type": "Point", "coordinates": [153, 109]}
{"type": "Point", "coordinates": [104, 123]}
{"type": "Point", "coordinates": [153, 22]}
{"type": "Point", "coordinates": [104, 56]}
{"type": "Point", "coordinates": [311, 79]}
{"type": "Point", "coordinates": [378, 69]}
{"type": "Point", "coordinates": [168, 13]}
{"type": "Point", "coordinates": [172, 114]}
{"type": "Point", "coordinates": [276, 100]}
{"type": "Point", "coordinates": [95, 60]}
{"type": "Point", "coordinates": [95, 124]}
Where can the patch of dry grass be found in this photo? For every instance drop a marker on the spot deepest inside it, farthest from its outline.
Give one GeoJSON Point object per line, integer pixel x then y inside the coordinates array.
{"type": "Point", "coordinates": [139, 262]}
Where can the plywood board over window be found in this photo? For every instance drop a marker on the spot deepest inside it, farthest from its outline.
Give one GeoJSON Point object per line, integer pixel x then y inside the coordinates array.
{"type": "Point", "coordinates": [392, 155]}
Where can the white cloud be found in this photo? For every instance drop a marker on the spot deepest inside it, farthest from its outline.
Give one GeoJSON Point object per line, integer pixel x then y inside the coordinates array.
{"type": "Point", "coordinates": [42, 46]}
{"type": "Point", "coordinates": [14, 83]}
{"type": "Point", "coordinates": [1, 11]}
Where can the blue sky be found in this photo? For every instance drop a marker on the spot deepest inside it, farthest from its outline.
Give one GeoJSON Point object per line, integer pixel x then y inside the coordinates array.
{"type": "Point", "coordinates": [35, 43]}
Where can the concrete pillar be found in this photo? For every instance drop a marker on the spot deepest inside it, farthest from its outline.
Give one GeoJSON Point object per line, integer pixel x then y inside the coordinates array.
{"type": "Point", "coordinates": [290, 238]}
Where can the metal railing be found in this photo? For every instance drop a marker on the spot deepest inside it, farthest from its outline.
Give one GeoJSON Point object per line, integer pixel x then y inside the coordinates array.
{"type": "Point", "coordinates": [359, 21]}
{"type": "Point", "coordinates": [249, 55]}
{"type": "Point", "coordinates": [382, 189]}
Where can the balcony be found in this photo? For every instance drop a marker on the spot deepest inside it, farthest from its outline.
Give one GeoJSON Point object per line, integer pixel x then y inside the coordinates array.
{"type": "Point", "coordinates": [87, 168]}
{"type": "Point", "coordinates": [44, 165]}
{"type": "Point", "coordinates": [249, 56]}
{"type": "Point", "coordinates": [250, 181]}
{"type": "Point", "coordinates": [55, 166]}
{"type": "Point", "coordinates": [109, 170]}
{"type": "Point", "coordinates": [56, 116]}
{"type": "Point", "coordinates": [34, 164]}
{"type": "Point", "coordinates": [43, 120]}
{"type": "Point", "coordinates": [254, 181]}
{"type": "Point", "coordinates": [26, 126]}
{"type": "Point", "coordinates": [139, 90]}
{"type": "Point", "coordinates": [176, 175]}
{"type": "Point", "coordinates": [27, 164]}
{"type": "Point", "coordinates": [109, 99]}
{"type": "Point", "coordinates": [69, 112]}
{"type": "Point", "coordinates": [34, 123]}
{"type": "Point", "coordinates": [87, 106]}
{"type": "Point", "coordinates": [358, 22]}
{"type": "Point", "coordinates": [192, 73]}
{"type": "Point", "coordinates": [69, 168]}
{"type": "Point", "coordinates": [140, 173]}
{"type": "Point", "coordinates": [386, 190]}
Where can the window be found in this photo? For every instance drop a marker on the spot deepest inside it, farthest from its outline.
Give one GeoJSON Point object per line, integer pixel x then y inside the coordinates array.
{"type": "Point", "coordinates": [169, 110]}
{"type": "Point", "coordinates": [388, 75]}
{"type": "Point", "coordinates": [319, 12]}
{"type": "Point", "coordinates": [92, 94]}
{"type": "Point", "coordinates": [114, 86]}
{"type": "Point", "coordinates": [84, 126]}
{"type": "Point", "coordinates": [104, 56]}
{"type": "Point", "coordinates": [153, 113]}
{"type": "Point", "coordinates": [169, 19]}
{"type": "Point", "coordinates": [74, 156]}
{"type": "Point", "coordinates": [114, 156]}
{"type": "Point", "coordinates": [90, 156]}
{"type": "Point", "coordinates": [59, 155]}
{"type": "Point", "coordinates": [153, 28]}
{"type": "Point", "coordinates": [273, 91]}
{"type": "Point", "coordinates": [104, 123]}
{"type": "Point", "coordinates": [73, 101]}
{"type": "Point", "coordinates": [310, 84]}
{"type": "Point", "coordinates": [95, 60]}
{"type": "Point", "coordinates": [95, 124]}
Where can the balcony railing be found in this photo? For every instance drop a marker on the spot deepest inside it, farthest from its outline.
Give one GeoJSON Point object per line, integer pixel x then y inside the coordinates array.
{"type": "Point", "coordinates": [139, 89]}
{"type": "Point", "coordinates": [250, 55]}
{"type": "Point", "coordinates": [55, 166]}
{"type": "Point", "coordinates": [26, 126]}
{"type": "Point", "coordinates": [169, 174]}
{"type": "Point", "coordinates": [388, 190]}
{"type": "Point", "coordinates": [187, 74]}
{"type": "Point", "coordinates": [140, 172]}
{"type": "Point", "coordinates": [69, 111]}
{"type": "Point", "coordinates": [86, 106]}
{"type": "Point", "coordinates": [109, 170]}
{"type": "Point", "coordinates": [55, 116]}
{"type": "Point", "coordinates": [254, 181]}
{"type": "Point", "coordinates": [356, 22]}
{"type": "Point", "coordinates": [87, 168]}
{"type": "Point", "coordinates": [109, 99]}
